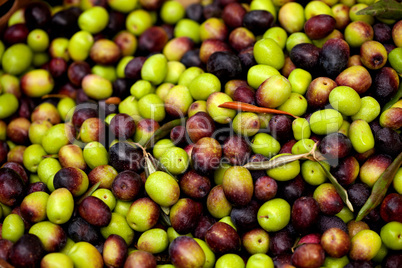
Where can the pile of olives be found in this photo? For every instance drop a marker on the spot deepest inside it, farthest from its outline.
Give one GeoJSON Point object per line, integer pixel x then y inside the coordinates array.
{"type": "Point", "coordinates": [115, 150]}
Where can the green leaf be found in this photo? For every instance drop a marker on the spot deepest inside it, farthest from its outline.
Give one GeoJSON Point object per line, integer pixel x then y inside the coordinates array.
{"type": "Point", "coordinates": [165, 219]}
{"type": "Point", "coordinates": [385, 9]}
{"type": "Point", "coordinates": [161, 167]}
{"type": "Point", "coordinates": [163, 131]}
{"type": "Point", "coordinates": [380, 188]}
{"type": "Point", "coordinates": [149, 165]}
{"type": "Point", "coordinates": [166, 210]}
{"type": "Point", "coordinates": [339, 189]}
{"type": "Point", "coordinates": [89, 192]}
{"type": "Point", "coordinates": [276, 162]}
{"type": "Point", "coordinates": [396, 98]}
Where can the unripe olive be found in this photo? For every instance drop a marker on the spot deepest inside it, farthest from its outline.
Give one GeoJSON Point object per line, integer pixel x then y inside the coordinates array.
{"type": "Point", "coordinates": [155, 69]}
{"type": "Point", "coordinates": [37, 83]}
{"type": "Point", "coordinates": [97, 87]}
{"type": "Point", "coordinates": [93, 19]}
{"type": "Point", "coordinates": [16, 59]}
{"type": "Point", "coordinates": [361, 136]}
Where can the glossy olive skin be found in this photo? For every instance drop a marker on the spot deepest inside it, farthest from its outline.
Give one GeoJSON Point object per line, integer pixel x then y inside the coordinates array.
{"type": "Point", "coordinates": [319, 26]}
{"type": "Point", "coordinates": [95, 211]}
{"type": "Point", "coordinates": [12, 188]}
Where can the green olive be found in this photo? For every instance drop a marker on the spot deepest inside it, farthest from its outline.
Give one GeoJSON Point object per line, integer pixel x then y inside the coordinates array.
{"type": "Point", "coordinates": [345, 99]}
{"type": "Point", "coordinates": [37, 83]}
{"type": "Point", "coordinates": [174, 71]}
{"type": "Point", "coordinates": [188, 28]}
{"type": "Point", "coordinates": [13, 228]}
{"type": "Point", "coordinates": [107, 197]}
{"type": "Point", "coordinates": [123, 6]}
{"type": "Point", "coordinates": [265, 47]}
{"type": "Point", "coordinates": [152, 107]}
{"type": "Point", "coordinates": [369, 110]}
{"type": "Point", "coordinates": [296, 104]}
{"type": "Point", "coordinates": [265, 144]}
{"type": "Point", "coordinates": [172, 12]}
{"type": "Point", "coordinates": [361, 136]}
{"type": "Point", "coordinates": [95, 154]}
{"type": "Point", "coordinates": [161, 182]}
{"type": "Point", "coordinates": [56, 137]}
{"type": "Point", "coordinates": [47, 168]}
{"type": "Point", "coordinates": [38, 40]}
{"type": "Point", "coordinates": [277, 34]}
{"type": "Point", "coordinates": [121, 66]}
{"type": "Point", "coordinates": [97, 87]}
{"type": "Point", "coordinates": [246, 124]}
{"type": "Point", "coordinates": [107, 72]}
{"type": "Point", "coordinates": [94, 19]}
{"type": "Point", "coordinates": [188, 75]}
{"type": "Point", "coordinates": [66, 107]}
{"type": "Point", "coordinates": [257, 74]}
{"type": "Point", "coordinates": [16, 59]}
{"type": "Point", "coordinates": [301, 129]}
{"type": "Point", "coordinates": [285, 172]}
{"type": "Point", "coordinates": [129, 106]}
{"type": "Point", "coordinates": [118, 225]}
{"type": "Point", "coordinates": [161, 147]}
{"type": "Point", "coordinates": [295, 39]}
{"type": "Point", "coordinates": [175, 159]}
{"type": "Point", "coordinates": [60, 206]}
{"type": "Point", "coordinates": [141, 88]}
{"type": "Point", "coordinates": [138, 21]}
{"type": "Point", "coordinates": [155, 69]}
{"type": "Point", "coordinates": [8, 105]}
{"type": "Point", "coordinates": [33, 156]}
{"type": "Point", "coordinates": [325, 121]}
{"type": "Point", "coordinates": [204, 85]}
{"type": "Point", "coordinates": [79, 45]}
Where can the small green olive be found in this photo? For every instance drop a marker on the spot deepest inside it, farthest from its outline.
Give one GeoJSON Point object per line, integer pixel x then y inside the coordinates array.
{"type": "Point", "coordinates": [138, 21]}
{"type": "Point", "coordinates": [172, 12]}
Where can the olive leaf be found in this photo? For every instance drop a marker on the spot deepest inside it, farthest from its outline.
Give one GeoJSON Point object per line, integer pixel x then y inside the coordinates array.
{"type": "Point", "coordinates": [276, 162]}
{"type": "Point", "coordinates": [89, 192]}
{"type": "Point", "coordinates": [162, 132]}
{"type": "Point", "coordinates": [312, 155]}
{"type": "Point", "coordinates": [166, 210]}
{"type": "Point", "coordinates": [161, 167]}
{"type": "Point", "coordinates": [285, 159]}
{"type": "Point", "coordinates": [396, 98]}
{"type": "Point", "coordinates": [165, 218]}
{"type": "Point", "coordinates": [150, 166]}
{"type": "Point", "coordinates": [385, 9]}
{"type": "Point", "coordinates": [339, 189]}
{"type": "Point", "coordinates": [380, 188]}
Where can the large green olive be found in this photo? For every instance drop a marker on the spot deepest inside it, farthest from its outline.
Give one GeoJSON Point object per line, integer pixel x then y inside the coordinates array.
{"type": "Point", "coordinates": [16, 59]}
